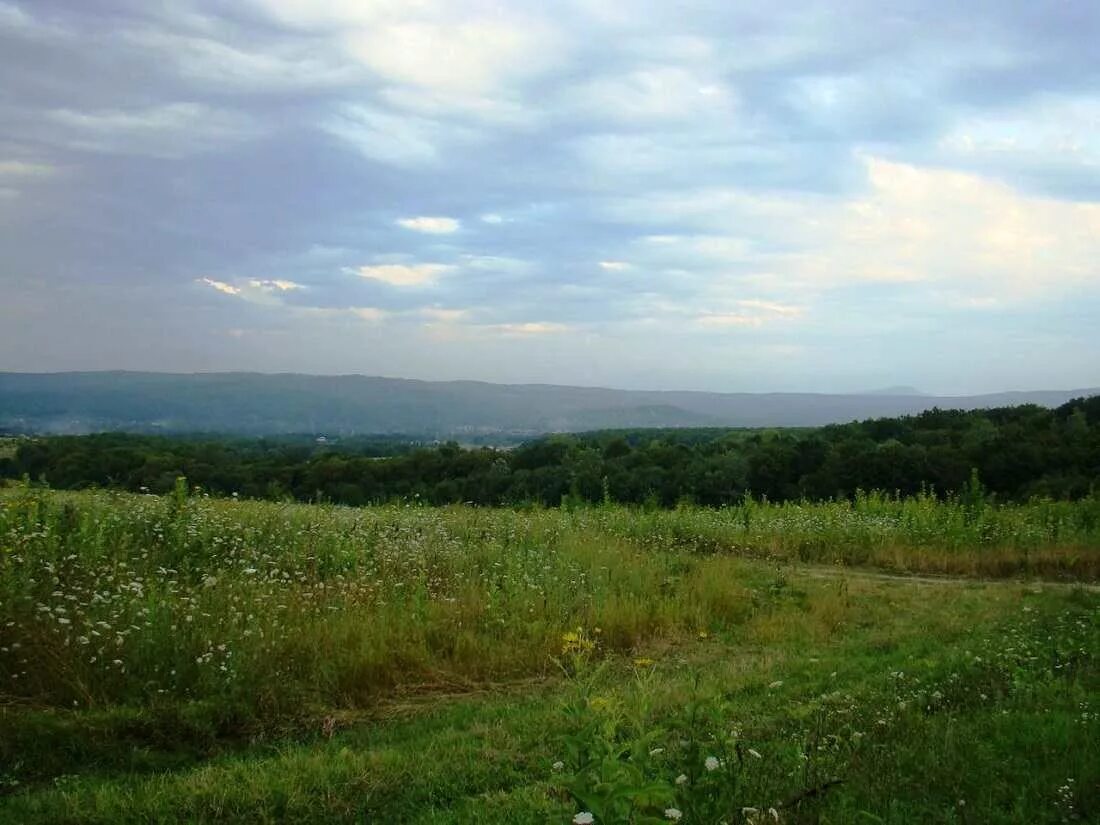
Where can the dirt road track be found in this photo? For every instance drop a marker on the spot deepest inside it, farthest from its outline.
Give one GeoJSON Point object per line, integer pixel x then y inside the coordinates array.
{"type": "Point", "coordinates": [836, 572]}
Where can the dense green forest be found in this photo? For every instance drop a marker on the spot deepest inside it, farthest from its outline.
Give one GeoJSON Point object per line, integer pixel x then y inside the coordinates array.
{"type": "Point", "coordinates": [1015, 452]}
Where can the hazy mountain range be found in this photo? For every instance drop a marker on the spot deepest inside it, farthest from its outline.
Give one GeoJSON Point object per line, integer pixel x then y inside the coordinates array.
{"type": "Point", "coordinates": [256, 404]}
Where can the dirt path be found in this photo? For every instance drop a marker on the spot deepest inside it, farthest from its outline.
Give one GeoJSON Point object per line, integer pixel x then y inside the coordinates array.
{"type": "Point", "coordinates": [832, 572]}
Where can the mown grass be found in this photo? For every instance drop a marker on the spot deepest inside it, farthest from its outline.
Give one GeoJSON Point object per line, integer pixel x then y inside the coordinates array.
{"type": "Point", "coordinates": [183, 659]}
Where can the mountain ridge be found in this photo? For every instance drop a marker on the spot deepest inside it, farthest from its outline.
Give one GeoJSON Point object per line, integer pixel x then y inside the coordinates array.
{"type": "Point", "coordinates": [277, 403]}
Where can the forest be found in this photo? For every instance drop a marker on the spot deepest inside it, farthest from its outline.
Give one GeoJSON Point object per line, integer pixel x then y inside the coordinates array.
{"type": "Point", "coordinates": [1011, 454]}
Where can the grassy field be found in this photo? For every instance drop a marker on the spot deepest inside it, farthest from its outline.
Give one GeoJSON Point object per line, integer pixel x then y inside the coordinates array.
{"type": "Point", "coordinates": [180, 659]}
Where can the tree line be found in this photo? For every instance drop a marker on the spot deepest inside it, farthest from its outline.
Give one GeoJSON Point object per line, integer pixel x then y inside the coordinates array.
{"type": "Point", "coordinates": [1016, 453]}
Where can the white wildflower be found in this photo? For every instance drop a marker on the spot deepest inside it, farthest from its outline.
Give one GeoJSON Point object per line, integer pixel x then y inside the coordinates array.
{"type": "Point", "coordinates": [584, 818]}
{"type": "Point", "coordinates": [675, 814]}
{"type": "Point", "coordinates": [711, 763]}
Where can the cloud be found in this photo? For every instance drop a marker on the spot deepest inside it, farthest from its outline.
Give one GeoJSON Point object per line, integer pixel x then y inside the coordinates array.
{"type": "Point", "coordinates": [494, 172]}
{"type": "Point", "coordinates": [471, 57]}
{"type": "Point", "coordinates": [170, 130]}
{"type": "Point", "coordinates": [14, 20]}
{"type": "Point", "coordinates": [910, 225]}
{"type": "Point", "coordinates": [24, 169]}
{"type": "Point", "coordinates": [372, 314]}
{"type": "Point", "coordinates": [430, 225]}
{"type": "Point", "coordinates": [730, 319]}
{"type": "Point", "coordinates": [404, 275]}
{"type": "Point", "coordinates": [920, 225]}
{"type": "Point", "coordinates": [401, 140]}
{"type": "Point", "coordinates": [772, 308]}
{"type": "Point", "coordinates": [262, 67]}
{"type": "Point", "coordinates": [498, 264]}
{"type": "Point", "coordinates": [221, 286]}
{"type": "Point", "coordinates": [441, 315]}
{"type": "Point", "coordinates": [13, 17]}
{"type": "Point", "coordinates": [530, 328]}
{"type": "Point", "coordinates": [751, 313]}
{"type": "Point", "coordinates": [653, 93]}
{"type": "Point", "coordinates": [272, 285]}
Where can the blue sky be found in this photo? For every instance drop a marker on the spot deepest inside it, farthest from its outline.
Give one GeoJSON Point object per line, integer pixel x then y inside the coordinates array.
{"type": "Point", "coordinates": [703, 195]}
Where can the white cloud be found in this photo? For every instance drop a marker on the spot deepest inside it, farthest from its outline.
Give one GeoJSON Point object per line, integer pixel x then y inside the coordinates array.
{"type": "Point", "coordinates": [274, 66]}
{"type": "Point", "coordinates": [402, 140]}
{"type": "Point", "coordinates": [170, 130]}
{"type": "Point", "coordinates": [614, 266]}
{"type": "Point", "coordinates": [276, 284]}
{"type": "Point", "coordinates": [470, 57]}
{"type": "Point", "coordinates": [751, 313]}
{"type": "Point", "coordinates": [24, 169]}
{"type": "Point", "coordinates": [730, 319]}
{"type": "Point", "coordinates": [404, 274]}
{"type": "Point", "coordinates": [13, 17]}
{"type": "Point", "coordinates": [435, 57]}
{"type": "Point", "coordinates": [14, 20]}
{"type": "Point", "coordinates": [444, 316]}
{"type": "Point", "coordinates": [492, 218]}
{"type": "Point", "coordinates": [654, 93]}
{"type": "Point", "coordinates": [911, 224]}
{"type": "Point", "coordinates": [530, 328]}
{"type": "Point", "coordinates": [430, 225]}
{"type": "Point", "coordinates": [335, 15]}
{"type": "Point", "coordinates": [922, 225]}
{"type": "Point", "coordinates": [221, 286]}
{"type": "Point", "coordinates": [772, 308]}
{"type": "Point", "coordinates": [502, 264]}
{"type": "Point", "coordinates": [372, 314]}
{"type": "Point", "coordinates": [1050, 132]}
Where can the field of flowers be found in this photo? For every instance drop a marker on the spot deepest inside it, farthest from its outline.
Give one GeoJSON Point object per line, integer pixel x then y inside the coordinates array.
{"type": "Point", "coordinates": [623, 664]}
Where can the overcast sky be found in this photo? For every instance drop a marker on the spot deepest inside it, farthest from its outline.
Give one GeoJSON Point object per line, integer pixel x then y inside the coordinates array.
{"type": "Point", "coordinates": [825, 196]}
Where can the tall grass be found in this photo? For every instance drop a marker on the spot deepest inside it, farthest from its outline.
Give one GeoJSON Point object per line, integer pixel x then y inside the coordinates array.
{"type": "Point", "coordinates": [109, 598]}
{"type": "Point", "coordinates": [916, 534]}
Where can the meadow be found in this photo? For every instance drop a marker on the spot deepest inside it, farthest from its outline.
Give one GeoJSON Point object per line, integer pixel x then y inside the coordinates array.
{"type": "Point", "coordinates": [181, 658]}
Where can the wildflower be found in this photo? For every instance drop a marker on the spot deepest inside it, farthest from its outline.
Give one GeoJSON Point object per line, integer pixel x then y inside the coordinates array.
{"type": "Point", "coordinates": [711, 763]}
{"type": "Point", "coordinates": [644, 661]}
{"type": "Point", "coordinates": [584, 818]}
{"type": "Point", "coordinates": [775, 684]}
{"type": "Point", "coordinates": [681, 779]}
{"type": "Point", "coordinates": [557, 766]}
{"type": "Point", "coordinates": [675, 814]}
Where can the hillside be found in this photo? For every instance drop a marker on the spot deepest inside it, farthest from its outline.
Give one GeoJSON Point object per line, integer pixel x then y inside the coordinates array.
{"type": "Point", "coordinates": [255, 404]}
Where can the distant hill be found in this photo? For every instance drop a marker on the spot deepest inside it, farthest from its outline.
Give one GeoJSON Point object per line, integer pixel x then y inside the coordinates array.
{"type": "Point", "coordinates": [261, 404]}
{"type": "Point", "coordinates": [900, 390]}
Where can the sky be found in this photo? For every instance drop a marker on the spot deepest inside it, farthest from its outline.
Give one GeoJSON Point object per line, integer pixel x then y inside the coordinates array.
{"type": "Point", "coordinates": [728, 196]}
